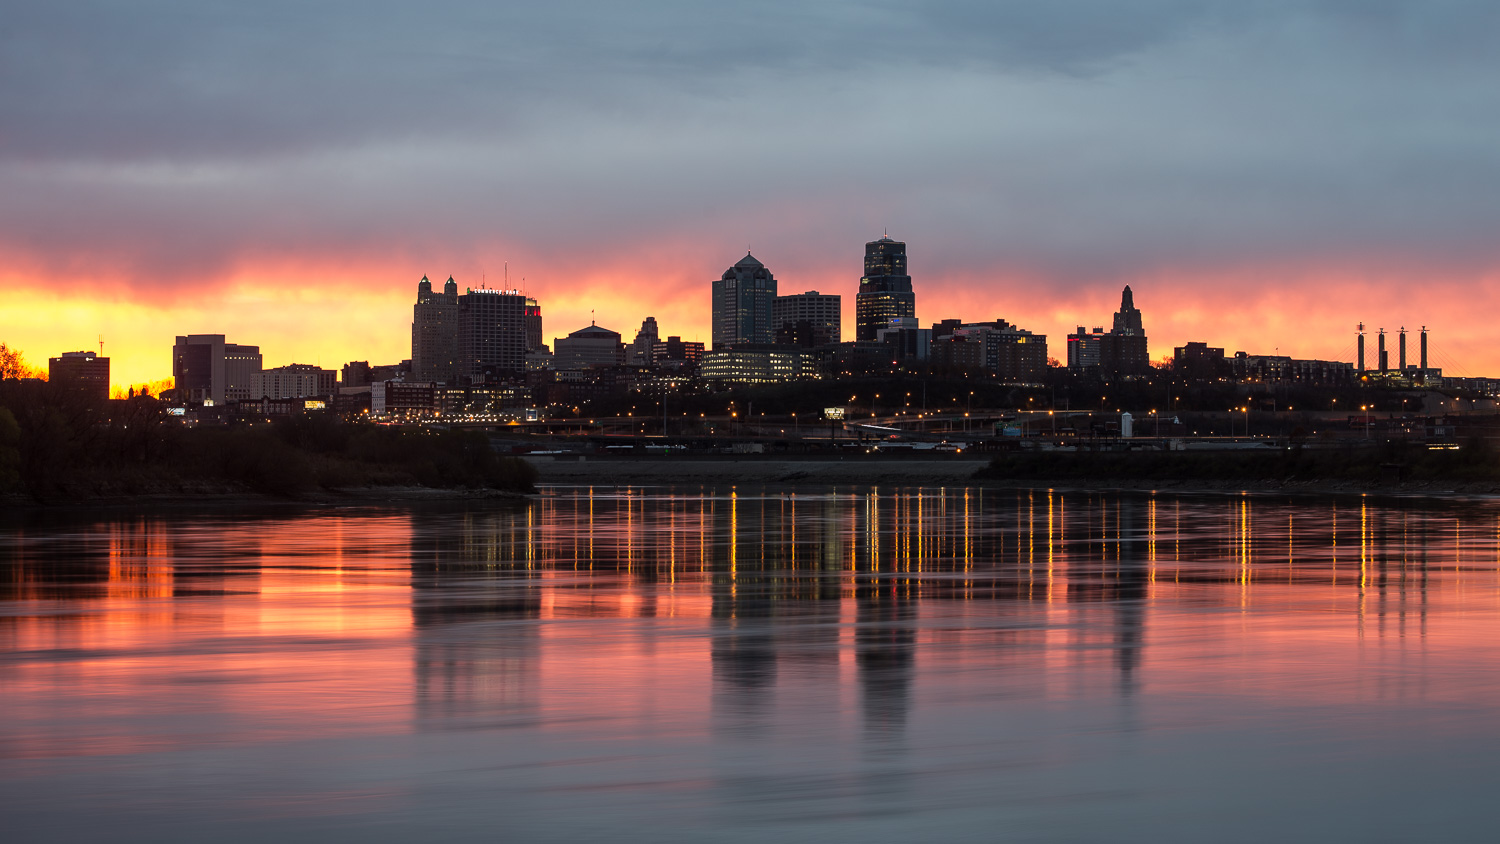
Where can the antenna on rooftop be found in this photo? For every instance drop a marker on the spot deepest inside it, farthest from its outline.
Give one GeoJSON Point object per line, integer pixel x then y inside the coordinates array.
{"type": "Point", "coordinates": [101, 345]}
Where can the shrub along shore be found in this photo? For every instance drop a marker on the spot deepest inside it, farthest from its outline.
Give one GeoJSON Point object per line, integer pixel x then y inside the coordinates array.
{"type": "Point", "coordinates": [57, 448]}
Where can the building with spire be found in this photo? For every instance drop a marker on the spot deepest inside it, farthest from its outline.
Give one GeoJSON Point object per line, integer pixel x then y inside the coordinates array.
{"type": "Point", "coordinates": [885, 296]}
{"type": "Point", "coordinates": [434, 333]}
{"type": "Point", "coordinates": [1121, 351]}
{"type": "Point", "coordinates": [743, 302]}
{"type": "Point", "coordinates": [642, 349]}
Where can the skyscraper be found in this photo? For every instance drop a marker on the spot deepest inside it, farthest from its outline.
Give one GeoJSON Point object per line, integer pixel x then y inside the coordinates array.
{"type": "Point", "coordinates": [1128, 319]}
{"type": "Point", "coordinates": [811, 316]}
{"type": "Point", "coordinates": [1123, 351]}
{"type": "Point", "coordinates": [742, 304]}
{"type": "Point", "coordinates": [885, 293]}
{"type": "Point", "coordinates": [492, 334]}
{"type": "Point", "coordinates": [533, 326]}
{"type": "Point", "coordinates": [641, 351]}
{"type": "Point", "coordinates": [434, 333]}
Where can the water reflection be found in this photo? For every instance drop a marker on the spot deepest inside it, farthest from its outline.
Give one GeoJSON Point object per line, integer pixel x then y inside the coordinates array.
{"type": "Point", "coordinates": [890, 650]}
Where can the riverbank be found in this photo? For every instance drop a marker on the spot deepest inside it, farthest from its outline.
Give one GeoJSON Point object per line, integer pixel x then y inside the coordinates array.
{"type": "Point", "coordinates": [224, 498]}
{"type": "Point", "coordinates": [618, 471]}
{"type": "Point", "coordinates": [958, 471]}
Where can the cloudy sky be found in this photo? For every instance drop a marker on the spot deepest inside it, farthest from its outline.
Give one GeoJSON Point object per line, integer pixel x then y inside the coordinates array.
{"type": "Point", "coordinates": [1264, 175]}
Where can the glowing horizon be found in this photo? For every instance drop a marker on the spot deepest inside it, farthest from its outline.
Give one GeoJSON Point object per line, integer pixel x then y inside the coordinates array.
{"type": "Point", "coordinates": [1311, 313]}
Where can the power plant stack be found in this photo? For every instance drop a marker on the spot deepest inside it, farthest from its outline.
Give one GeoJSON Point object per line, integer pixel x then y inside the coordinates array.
{"type": "Point", "coordinates": [1361, 348]}
{"type": "Point", "coordinates": [1383, 358]}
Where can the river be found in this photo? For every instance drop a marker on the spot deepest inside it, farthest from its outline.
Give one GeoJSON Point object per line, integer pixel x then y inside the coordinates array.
{"type": "Point", "coordinates": [749, 664]}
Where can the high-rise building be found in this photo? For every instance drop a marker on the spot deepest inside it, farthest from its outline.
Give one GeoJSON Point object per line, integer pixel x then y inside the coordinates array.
{"type": "Point", "coordinates": [885, 293]}
{"type": "Point", "coordinates": [1083, 348]}
{"type": "Point", "coordinates": [819, 311]}
{"type": "Point", "coordinates": [492, 335]}
{"type": "Point", "coordinates": [1121, 351]}
{"type": "Point", "coordinates": [83, 371]}
{"type": "Point", "coordinates": [1127, 318]}
{"type": "Point", "coordinates": [207, 369]}
{"type": "Point", "coordinates": [742, 304]}
{"type": "Point", "coordinates": [533, 326]}
{"type": "Point", "coordinates": [1011, 353]}
{"type": "Point", "coordinates": [642, 350]}
{"type": "Point", "coordinates": [434, 332]}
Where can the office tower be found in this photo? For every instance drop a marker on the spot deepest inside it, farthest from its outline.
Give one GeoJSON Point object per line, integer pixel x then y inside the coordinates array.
{"type": "Point", "coordinates": [207, 369]}
{"type": "Point", "coordinates": [533, 326]}
{"type": "Point", "coordinates": [434, 333]}
{"type": "Point", "coordinates": [807, 319]}
{"type": "Point", "coordinates": [885, 293]}
{"type": "Point", "coordinates": [643, 348]}
{"type": "Point", "coordinates": [1083, 348]}
{"type": "Point", "coordinates": [492, 335]}
{"type": "Point", "coordinates": [1128, 319]}
{"type": "Point", "coordinates": [742, 302]}
{"type": "Point", "coordinates": [1123, 351]}
{"type": "Point", "coordinates": [83, 371]}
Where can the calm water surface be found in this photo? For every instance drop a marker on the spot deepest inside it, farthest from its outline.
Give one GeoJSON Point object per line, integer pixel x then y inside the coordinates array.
{"type": "Point", "coordinates": [726, 665]}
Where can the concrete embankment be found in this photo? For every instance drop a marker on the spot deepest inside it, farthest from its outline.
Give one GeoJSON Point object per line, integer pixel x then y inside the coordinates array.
{"type": "Point", "coordinates": [756, 469]}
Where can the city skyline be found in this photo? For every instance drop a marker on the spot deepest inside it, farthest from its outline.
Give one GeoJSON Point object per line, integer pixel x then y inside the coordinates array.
{"type": "Point", "coordinates": [1037, 159]}
{"type": "Point", "coordinates": [700, 299]}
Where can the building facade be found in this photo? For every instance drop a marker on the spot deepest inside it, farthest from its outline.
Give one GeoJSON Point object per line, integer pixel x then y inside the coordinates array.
{"type": "Point", "coordinates": [885, 293]}
{"type": "Point", "coordinates": [492, 335]}
{"type": "Point", "coordinates": [86, 372]}
{"type": "Point", "coordinates": [643, 348]}
{"type": "Point", "coordinates": [588, 348]}
{"type": "Point", "coordinates": [207, 369]}
{"type": "Point", "coordinates": [807, 319]}
{"type": "Point", "coordinates": [1123, 350]}
{"type": "Point", "coordinates": [533, 325]}
{"type": "Point", "coordinates": [1009, 352]}
{"type": "Point", "coordinates": [757, 365]}
{"type": "Point", "coordinates": [292, 381]}
{"type": "Point", "coordinates": [743, 300]}
{"type": "Point", "coordinates": [434, 332]}
{"type": "Point", "coordinates": [674, 353]}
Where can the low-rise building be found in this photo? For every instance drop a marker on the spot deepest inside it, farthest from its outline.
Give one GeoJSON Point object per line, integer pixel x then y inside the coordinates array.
{"type": "Point", "coordinates": [292, 381]}
{"type": "Point", "coordinates": [757, 364]}
{"type": "Point", "coordinates": [403, 398]}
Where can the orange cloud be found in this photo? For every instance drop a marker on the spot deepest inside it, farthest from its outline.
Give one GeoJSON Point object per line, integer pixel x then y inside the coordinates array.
{"type": "Point", "coordinates": [332, 309]}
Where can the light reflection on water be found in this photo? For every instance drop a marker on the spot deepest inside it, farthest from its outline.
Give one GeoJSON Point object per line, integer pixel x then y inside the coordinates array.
{"type": "Point", "coordinates": [736, 665]}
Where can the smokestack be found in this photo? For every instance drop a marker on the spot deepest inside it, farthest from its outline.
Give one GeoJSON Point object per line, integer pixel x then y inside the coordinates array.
{"type": "Point", "coordinates": [1424, 351]}
{"type": "Point", "coordinates": [1380, 339]}
{"type": "Point", "coordinates": [1401, 344]}
{"type": "Point", "coordinates": [1361, 347]}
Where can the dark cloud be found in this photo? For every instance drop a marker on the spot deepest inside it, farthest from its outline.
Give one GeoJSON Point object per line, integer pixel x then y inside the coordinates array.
{"type": "Point", "coordinates": [1078, 139]}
